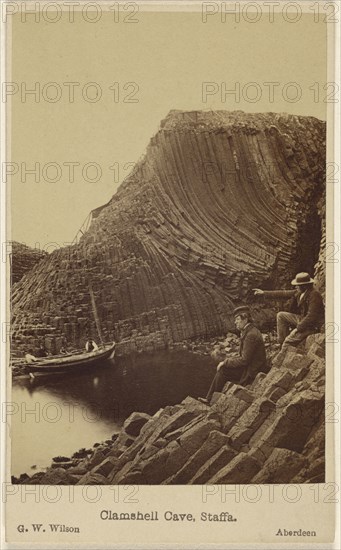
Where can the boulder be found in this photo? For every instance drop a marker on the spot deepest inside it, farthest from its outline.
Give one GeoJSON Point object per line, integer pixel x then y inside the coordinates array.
{"type": "Point", "coordinates": [56, 476]}
{"type": "Point", "coordinates": [75, 478]}
{"type": "Point", "coordinates": [240, 469]}
{"type": "Point", "coordinates": [257, 386]}
{"type": "Point", "coordinates": [165, 463]}
{"type": "Point", "coordinates": [97, 457]}
{"type": "Point", "coordinates": [105, 467]}
{"type": "Point", "coordinates": [66, 465]}
{"type": "Point", "coordinates": [215, 397]}
{"type": "Point", "coordinates": [274, 394]}
{"type": "Point", "coordinates": [243, 393]}
{"type": "Point", "coordinates": [158, 427]}
{"type": "Point", "coordinates": [293, 424]}
{"type": "Point", "coordinates": [122, 442]}
{"type": "Point", "coordinates": [180, 431]}
{"type": "Point", "coordinates": [278, 359]}
{"type": "Point", "coordinates": [213, 465]}
{"type": "Point", "coordinates": [281, 467]}
{"type": "Point", "coordinates": [193, 438]}
{"type": "Point", "coordinates": [134, 423]}
{"type": "Point", "coordinates": [229, 409]}
{"type": "Point", "coordinates": [61, 459]}
{"type": "Point", "coordinates": [127, 453]}
{"type": "Point", "coordinates": [277, 378]}
{"type": "Point", "coordinates": [118, 471]}
{"type": "Point", "coordinates": [316, 374]}
{"type": "Point", "coordinates": [315, 468]}
{"type": "Point", "coordinates": [82, 453]}
{"type": "Point", "coordinates": [80, 469]}
{"type": "Point", "coordinates": [150, 450]}
{"type": "Point", "coordinates": [152, 469]}
{"type": "Point", "coordinates": [155, 465]}
{"type": "Point", "coordinates": [91, 478]}
{"type": "Point", "coordinates": [260, 452]}
{"type": "Point", "coordinates": [250, 421]}
{"type": "Point", "coordinates": [36, 479]}
{"type": "Point", "coordinates": [315, 445]}
{"type": "Point", "coordinates": [194, 406]}
{"type": "Point", "coordinates": [213, 443]}
{"type": "Point", "coordinates": [316, 345]}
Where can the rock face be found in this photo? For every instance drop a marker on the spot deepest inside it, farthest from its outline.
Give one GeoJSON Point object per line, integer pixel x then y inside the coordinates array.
{"type": "Point", "coordinates": [23, 259]}
{"type": "Point", "coordinates": [270, 432]}
{"type": "Point", "coordinates": [221, 202]}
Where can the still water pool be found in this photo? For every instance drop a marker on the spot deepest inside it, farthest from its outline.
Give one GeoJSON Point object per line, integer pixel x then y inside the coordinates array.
{"type": "Point", "coordinates": [59, 414]}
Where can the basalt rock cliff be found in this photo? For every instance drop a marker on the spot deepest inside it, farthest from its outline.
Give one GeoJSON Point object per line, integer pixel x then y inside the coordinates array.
{"type": "Point", "coordinates": [221, 202]}
{"type": "Point", "coordinates": [23, 259]}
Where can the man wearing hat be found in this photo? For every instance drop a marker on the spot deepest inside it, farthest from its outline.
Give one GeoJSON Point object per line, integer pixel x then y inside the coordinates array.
{"type": "Point", "coordinates": [306, 310]}
{"type": "Point", "coordinates": [243, 369]}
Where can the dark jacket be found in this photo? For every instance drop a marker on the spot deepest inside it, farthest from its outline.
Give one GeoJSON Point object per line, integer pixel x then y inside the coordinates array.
{"type": "Point", "coordinates": [310, 308]}
{"type": "Point", "coordinates": [252, 354]}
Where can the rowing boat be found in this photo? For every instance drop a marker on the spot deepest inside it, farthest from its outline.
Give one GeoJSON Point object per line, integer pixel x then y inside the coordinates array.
{"type": "Point", "coordinates": [72, 362]}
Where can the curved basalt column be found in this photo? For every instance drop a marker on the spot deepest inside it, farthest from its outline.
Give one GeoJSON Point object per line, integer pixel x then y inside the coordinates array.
{"type": "Point", "coordinates": [23, 258]}
{"type": "Point", "coordinates": [217, 206]}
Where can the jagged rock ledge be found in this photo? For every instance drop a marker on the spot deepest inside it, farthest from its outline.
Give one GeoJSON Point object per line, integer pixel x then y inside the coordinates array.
{"type": "Point", "coordinates": [272, 431]}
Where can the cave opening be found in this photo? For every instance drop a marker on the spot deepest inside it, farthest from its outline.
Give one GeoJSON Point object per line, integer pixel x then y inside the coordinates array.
{"type": "Point", "coordinates": [308, 243]}
{"type": "Point", "coordinates": [307, 249]}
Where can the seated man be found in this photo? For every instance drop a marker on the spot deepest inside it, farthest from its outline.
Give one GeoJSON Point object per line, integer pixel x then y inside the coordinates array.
{"type": "Point", "coordinates": [306, 310]}
{"type": "Point", "coordinates": [91, 346]}
{"type": "Point", "coordinates": [29, 357]}
{"type": "Point", "coordinates": [243, 369]}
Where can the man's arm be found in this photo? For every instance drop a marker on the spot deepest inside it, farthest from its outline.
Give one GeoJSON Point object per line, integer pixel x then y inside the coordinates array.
{"type": "Point", "coordinates": [250, 344]}
{"type": "Point", "coordinates": [285, 294]}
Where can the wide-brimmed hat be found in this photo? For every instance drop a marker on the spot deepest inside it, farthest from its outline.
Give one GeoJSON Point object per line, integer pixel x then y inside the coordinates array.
{"type": "Point", "coordinates": [302, 279]}
{"type": "Point", "coordinates": [241, 309]}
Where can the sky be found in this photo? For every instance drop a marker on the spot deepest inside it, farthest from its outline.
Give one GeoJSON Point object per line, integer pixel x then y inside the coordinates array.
{"type": "Point", "coordinates": [102, 89]}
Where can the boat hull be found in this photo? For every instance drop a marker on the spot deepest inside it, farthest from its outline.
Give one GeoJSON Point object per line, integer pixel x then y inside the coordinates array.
{"type": "Point", "coordinates": [71, 363]}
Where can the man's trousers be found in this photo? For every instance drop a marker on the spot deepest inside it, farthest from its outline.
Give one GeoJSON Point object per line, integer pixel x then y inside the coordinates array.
{"type": "Point", "coordinates": [223, 375]}
{"type": "Point", "coordinates": [285, 321]}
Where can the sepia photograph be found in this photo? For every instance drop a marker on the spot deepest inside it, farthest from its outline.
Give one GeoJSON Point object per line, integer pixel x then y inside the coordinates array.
{"type": "Point", "coordinates": [169, 260]}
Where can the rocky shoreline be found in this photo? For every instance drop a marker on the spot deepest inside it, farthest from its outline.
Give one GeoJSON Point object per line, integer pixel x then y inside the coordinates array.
{"type": "Point", "coordinates": [215, 347]}
{"type": "Point", "coordinates": [271, 431]}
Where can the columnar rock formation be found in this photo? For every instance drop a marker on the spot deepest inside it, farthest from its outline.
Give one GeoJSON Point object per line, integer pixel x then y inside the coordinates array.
{"type": "Point", "coordinates": [269, 432]}
{"type": "Point", "coordinates": [23, 259]}
{"type": "Point", "coordinates": [221, 202]}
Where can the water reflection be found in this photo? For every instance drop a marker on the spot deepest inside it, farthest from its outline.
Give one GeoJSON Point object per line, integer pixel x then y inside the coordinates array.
{"type": "Point", "coordinates": [94, 404]}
